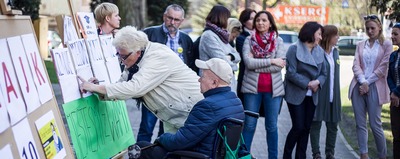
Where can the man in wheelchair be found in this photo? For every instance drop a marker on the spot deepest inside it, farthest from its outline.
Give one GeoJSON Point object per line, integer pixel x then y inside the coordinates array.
{"type": "Point", "coordinates": [200, 129]}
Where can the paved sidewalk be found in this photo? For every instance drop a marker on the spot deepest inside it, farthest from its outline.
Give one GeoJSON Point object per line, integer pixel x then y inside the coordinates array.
{"type": "Point", "coordinates": [259, 147]}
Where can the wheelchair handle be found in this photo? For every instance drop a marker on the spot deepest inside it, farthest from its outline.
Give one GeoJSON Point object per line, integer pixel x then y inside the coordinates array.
{"type": "Point", "coordinates": [251, 113]}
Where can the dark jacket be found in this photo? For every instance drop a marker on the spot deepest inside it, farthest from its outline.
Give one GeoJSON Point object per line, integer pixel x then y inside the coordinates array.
{"type": "Point", "coordinates": [324, 111]}
{"type": "Point", "coordinates": [239, 48]}
{"type": "Point", "coordinates": [157, 34]}
{"type": "Point", "coordinates": [199, 132]}
{"type": "Point", "coordinates": [391, 78]}
{"type": "Point", "coordinates": [301, 68]}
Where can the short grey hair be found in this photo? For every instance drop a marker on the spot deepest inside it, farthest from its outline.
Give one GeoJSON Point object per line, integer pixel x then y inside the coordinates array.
{"type": "Point", "coordinates": [130, 39]}
{"type": "Point", "coordinates": [175, 7]}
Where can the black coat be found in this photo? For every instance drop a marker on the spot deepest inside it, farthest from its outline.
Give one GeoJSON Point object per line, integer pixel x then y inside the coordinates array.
{"type": "Point", "coordinates": [157, 34]}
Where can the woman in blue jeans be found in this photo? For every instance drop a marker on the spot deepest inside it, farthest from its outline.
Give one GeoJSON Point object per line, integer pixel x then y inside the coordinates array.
{"type": "Point", "coordinates": [263, 59]}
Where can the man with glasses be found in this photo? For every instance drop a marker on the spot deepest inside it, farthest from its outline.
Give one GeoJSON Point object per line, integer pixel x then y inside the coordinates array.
{"type": "Point", "coordinates": [169, 34]}
{"type": "Point", "coordinates": [154, 73]}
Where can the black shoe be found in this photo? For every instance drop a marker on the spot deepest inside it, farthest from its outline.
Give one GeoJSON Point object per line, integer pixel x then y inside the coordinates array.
{"type": "Point", "coordinates": [330, 156]}
{"type": "Point", "coordinates": [317, 156]}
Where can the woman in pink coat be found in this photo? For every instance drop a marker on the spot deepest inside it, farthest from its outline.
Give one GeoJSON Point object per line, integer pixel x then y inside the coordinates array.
{"type": "Point", "coordinates": [368, 89]}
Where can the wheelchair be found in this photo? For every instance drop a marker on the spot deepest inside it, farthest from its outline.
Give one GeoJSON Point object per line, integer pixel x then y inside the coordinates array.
{"type": "Point", "coordinates": [231, 128]}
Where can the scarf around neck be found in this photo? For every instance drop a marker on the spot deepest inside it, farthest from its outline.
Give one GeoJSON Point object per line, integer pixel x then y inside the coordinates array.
{"type": "Point", "coordinates": [222, 33]}
{"type": "Point", "coordinates": [263, 45]}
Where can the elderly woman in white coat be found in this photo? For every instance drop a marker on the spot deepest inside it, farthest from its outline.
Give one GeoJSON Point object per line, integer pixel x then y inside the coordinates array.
{"type": "Point", "coordinates": [263, 57]}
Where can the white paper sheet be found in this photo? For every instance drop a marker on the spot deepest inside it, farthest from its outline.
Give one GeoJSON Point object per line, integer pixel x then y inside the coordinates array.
{"type": "Point", "coordinates": [37, 68]}
{"type": "Point", "coordinates": [86, 73]}
{"type": "Point", "coordinates": [6, 153]}
{"type": "Point", "coordinates": [66, 74]}
{"type": "Point", "coordinates": [112, 62]}
{"type": "Point", "coordinates": [88, 24]}
{"type": "Point", "coordinates": [70, 33]}
{"type": "Point", "coordinates": [9, 86]}
{"type": "Point", "coordinates": [114, 69]}
{"type": "Point", "coordinates": [50, 137]}
{"type": "Point", "coordinates": [97, 60]}
{"type": "Point", "coordinates": [81, 60]}
{"type": "Point", "coordinates": [79, 53]}
{"type": "Point", "coordinates": [4, 122]}
{"type": "Point", "coordinates": [109, 50]}
{"type": "Point", "coordinates": [94, 49]}
{"type": "Point", "coordinates": [24, 74]}
{"type": "Point", "coordinates": [24, 139]}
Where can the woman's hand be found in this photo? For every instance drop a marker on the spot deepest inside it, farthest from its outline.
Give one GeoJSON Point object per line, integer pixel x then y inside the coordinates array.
{"type": "Point", "coordinates": [394, 100]}
{"type": "Point", "coordinates": [364, 88]}
{"type": "Point", "coordinates": [313, 85]}
{"type": "Point", "coordinates": [86, 86]}
{"type": "Point", "coordinates": [281, 62]}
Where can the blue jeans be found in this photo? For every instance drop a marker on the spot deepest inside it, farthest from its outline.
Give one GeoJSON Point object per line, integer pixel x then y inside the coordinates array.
{"type": "Point", "coordinates": [271, 108]}
{"type": "Point", "coordinates": [147, 125]}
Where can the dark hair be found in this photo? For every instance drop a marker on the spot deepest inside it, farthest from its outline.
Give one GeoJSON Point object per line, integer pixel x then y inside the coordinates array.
{"type": "Point", "coordinates": [329, 32]}
{"type": "Point", "coordinates": [245, 16]}
{"type": "Point", "coordinates": [270, 19]}
{"type": "Point", "coordinates": [308, 30]}
{"type": "Point", "coordinates": [219, 16]}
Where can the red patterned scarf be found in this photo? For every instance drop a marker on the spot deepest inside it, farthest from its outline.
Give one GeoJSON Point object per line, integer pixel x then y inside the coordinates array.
{"type": "Point", "coordinates": [263, 45]}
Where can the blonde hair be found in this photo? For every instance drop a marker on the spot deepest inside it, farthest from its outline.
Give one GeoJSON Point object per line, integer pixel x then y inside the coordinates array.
{"type": "Point", "coordinates": [234, 23]}
{"type": "Point", "coordinates": [103, 10]}
{"type": "Point", "coordinates": [130, 39]}
{"type": "Point", "coordinates": [381, 38]}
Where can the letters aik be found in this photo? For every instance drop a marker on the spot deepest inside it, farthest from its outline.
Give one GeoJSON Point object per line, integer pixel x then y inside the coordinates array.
{"type": "Point", "coordinates": [8, 82]}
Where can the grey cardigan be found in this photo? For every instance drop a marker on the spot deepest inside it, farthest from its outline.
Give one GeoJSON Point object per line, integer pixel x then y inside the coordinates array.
{"type": "Point", "coordinates": [211, 46]}
{"type": "Point", "coordinates": [254, 66]}
{"type": "Point", "coordinates": [301, 68]}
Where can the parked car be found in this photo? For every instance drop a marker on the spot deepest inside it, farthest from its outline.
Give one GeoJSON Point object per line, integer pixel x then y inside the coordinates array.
{"type": "Point", "coordinates": [289, 37]}
{"type": "Point", "coordinates": [347, 44]}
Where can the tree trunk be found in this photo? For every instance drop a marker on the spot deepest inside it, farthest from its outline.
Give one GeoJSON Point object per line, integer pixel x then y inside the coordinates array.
{"type": "Point", "coordinates": [132, 12]}
{"type": "Point", "coordinates": [247, 3]}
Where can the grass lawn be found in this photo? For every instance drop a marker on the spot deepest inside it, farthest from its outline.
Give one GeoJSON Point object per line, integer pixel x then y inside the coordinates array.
{"type": "Point", "coordinates": [348, 127]}
{"type": "Point", "coordinates": [51, 71]}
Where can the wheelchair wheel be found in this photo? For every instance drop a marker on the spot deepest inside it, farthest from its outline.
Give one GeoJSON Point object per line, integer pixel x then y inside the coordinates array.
{"type": "Point", "coordinates": [134, 151]}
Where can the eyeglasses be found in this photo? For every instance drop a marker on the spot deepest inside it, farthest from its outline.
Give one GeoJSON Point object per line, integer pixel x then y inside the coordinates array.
{"type": "Point", "coordinates": [123, 57]}
{"type": "Point", "coordinates": [371, 17]}
{"type": "Point", "coordinates": [173, 19]}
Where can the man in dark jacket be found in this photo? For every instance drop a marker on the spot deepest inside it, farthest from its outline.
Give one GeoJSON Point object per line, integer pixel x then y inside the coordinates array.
{"type": "Point", "coordinates": [200, 128]}
{"type": "Point", "coordinates": [169, 34]}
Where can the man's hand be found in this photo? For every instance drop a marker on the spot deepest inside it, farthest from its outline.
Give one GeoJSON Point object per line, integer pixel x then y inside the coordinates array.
{"type": "Point", "coordinates": [394, 100]}
{"type": "Point", "coordinates": [313, 85]}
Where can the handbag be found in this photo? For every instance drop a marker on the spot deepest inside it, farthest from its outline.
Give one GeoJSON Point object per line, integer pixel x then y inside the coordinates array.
{"type": "Point", "coordinates": [240, 152]}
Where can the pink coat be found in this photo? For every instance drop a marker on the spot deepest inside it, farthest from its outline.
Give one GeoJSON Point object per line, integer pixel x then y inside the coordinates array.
{"type": "Point", "coordinates": [380, 69]}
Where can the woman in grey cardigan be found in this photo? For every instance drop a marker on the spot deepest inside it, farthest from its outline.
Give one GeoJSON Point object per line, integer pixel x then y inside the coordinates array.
{"type": "Point", "coordinates": [214, 42]}
{"type": "Point", "coordinates": [263, 58]}
{"type": "Point", "coordinates": [305, 73]}
{"type": "Point", "coordinates": [328, 110]}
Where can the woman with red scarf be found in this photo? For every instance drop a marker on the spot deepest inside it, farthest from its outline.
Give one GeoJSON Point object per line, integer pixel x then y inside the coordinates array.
{"type": "Point", "coordinates": [264, 59]}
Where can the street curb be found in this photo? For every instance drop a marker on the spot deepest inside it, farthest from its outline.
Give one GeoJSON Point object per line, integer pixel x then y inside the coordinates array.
{"type": "Point", "coordinates": [340, 134]}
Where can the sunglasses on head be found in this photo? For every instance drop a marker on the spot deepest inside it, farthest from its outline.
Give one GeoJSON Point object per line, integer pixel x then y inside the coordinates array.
{"type": "Point", "coordinates": [371, 17]}
{"type": "Point", "coordinates": [397, 25]}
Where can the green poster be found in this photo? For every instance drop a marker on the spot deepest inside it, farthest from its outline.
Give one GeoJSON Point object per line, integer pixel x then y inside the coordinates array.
{"type": "Point", "coordinates": [99, 129]}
